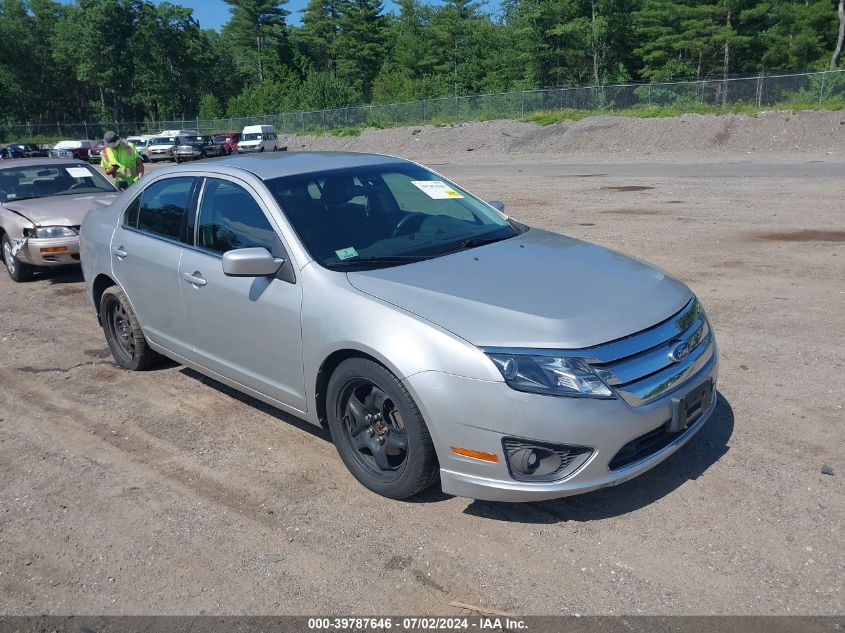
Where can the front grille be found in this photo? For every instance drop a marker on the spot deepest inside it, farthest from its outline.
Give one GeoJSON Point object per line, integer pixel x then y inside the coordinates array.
{"type": "Point", "coordinates": [640, 367]}
{"type": "Point", "coordinates": [642, 447]}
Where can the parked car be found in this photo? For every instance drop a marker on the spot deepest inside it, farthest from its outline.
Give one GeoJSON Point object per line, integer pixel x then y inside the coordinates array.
{"type": "Point", "coordinates": [95, 153]}
{"type": "Point", "coordinates": [229, 140]}
{"type": "Point", "coordinates": [195, 147]}
{"type": "Point", "coordinates": [42, 204]}
{"type": "Point", "coordinates": [259, 138]}
{"type": "Point", "coordinates": [141, 145]}
{"type": "Point", "coordinates": [163, 148]}
{"type": "Point", "coordinates": [24, 150]}
{"type": "Point", "coordinates": [431, 333]}
{"type": "Point", "coordinates": [72, 149]}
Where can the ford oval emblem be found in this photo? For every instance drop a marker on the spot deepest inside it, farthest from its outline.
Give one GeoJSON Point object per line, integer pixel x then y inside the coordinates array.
{"type": "Point", "coordinates": [680, 351]}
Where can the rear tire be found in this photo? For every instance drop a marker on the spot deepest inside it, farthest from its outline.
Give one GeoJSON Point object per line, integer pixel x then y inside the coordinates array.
{"type": "Point", "coordinates": [18, 270]}
{"type": "Point", "coordinates": [378, 430]}
{"type": "Point", "coordinates": [124, 336]}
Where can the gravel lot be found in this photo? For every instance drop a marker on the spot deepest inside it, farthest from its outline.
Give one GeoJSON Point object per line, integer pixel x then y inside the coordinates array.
{"type": "Point", "coordinates": [164, 492]}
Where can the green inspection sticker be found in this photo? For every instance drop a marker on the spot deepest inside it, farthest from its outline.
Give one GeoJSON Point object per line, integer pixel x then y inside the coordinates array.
{"type": "Point", "coordinates": [346, 253]}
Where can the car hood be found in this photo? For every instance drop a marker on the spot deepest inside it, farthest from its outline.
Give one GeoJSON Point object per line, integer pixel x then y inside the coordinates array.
{"type": "Point", "coordinates": [536, 290]}
{"type": "Point", "coordinates": [60, 210]}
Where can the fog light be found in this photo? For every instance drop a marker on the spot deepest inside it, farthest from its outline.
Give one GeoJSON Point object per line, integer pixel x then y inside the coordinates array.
{"type": "Point", "coordinates": [536, 461]}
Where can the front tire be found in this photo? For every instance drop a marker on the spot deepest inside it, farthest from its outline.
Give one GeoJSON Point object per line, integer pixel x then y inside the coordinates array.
{"type": "Point", "coordinates": [124, 336]}
{"type": "Point", "coordinates": [378, 430]}
{"type": "Point", "coordinates": [18, 270]}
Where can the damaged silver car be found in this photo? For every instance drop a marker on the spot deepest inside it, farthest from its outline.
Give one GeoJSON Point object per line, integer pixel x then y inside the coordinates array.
{"type": "Point", "coordinates": [42, 204]}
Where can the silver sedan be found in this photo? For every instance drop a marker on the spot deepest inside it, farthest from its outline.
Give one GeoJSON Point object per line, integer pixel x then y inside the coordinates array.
{"type": "Point", "coordinates": [433, 335]}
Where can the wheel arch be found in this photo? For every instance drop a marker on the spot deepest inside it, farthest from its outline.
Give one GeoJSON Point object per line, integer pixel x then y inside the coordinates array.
{"type": "Point", "coordinates": [101, 282]}
{"type": "Point", "coordinates": [327, 368]}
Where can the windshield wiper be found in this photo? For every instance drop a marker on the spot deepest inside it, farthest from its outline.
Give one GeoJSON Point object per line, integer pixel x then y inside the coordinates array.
{"type": "Point", "coordinates": [481, 241]}
{"type": "Point", "coordinates": [81, 191]}
{"type": "Point", "coordinates": [379, 259]}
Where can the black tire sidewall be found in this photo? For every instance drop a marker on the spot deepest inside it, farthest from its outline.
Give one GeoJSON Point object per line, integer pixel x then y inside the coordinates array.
{"type": "Point", "coordinates": [144, 356]}
{"type": "Point", "coordinates": [420, 468]}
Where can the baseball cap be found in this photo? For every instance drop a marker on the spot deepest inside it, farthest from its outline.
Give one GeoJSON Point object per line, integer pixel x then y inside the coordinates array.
{"type": "Point", "coordinates": [111, 139]}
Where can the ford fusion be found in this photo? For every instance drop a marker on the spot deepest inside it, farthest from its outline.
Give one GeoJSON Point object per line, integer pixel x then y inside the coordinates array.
{"type": "Point", "coordinates": [42, 204]}
{"type": "Point", "coordinates": [435, 337]}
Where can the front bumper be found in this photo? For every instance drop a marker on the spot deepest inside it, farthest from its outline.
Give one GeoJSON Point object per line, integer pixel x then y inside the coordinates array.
{"type": "Point", "coordinates": [187, 155]}
{"type": "Point", "coordinates": [478, 415]}
{"type": "Point", "coordinates": [33, 251]}
{"type": "Point", "coordinates": [156, 156]}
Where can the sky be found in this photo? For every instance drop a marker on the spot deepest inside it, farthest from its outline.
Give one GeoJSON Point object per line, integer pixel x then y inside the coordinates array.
{"type": "Point", "coordinates": [213, 14]}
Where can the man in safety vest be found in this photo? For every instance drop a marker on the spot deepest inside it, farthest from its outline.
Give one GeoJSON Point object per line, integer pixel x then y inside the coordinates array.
{"type": "Point", "coordinates": [120, 159]}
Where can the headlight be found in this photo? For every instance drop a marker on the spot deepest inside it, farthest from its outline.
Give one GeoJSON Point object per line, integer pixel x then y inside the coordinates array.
{"type": "Point", "coordinates": [550, 374]}
{"type": "Point", "coordinates": [44, 232]}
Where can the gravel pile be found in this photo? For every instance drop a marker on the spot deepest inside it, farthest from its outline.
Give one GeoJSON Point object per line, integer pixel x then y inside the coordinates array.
{"type": "Point", "coordinates": [768, 132]}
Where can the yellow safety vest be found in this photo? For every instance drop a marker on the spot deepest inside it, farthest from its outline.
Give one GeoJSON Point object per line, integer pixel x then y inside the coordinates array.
{"type": "Point", "coordinates": [126, 158]}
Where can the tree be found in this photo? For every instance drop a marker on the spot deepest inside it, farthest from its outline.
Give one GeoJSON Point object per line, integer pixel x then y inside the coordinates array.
{"type": "Point", "coordinates": [360, 45]}
{"type": "Point", "coordinates": [838, 50]}
{"type": "Point", "coordinates": [209, 108]}
{"type": "Point", "coordinates": [318, 34]}
{"type": "Point", "coordinates": [258, 31]}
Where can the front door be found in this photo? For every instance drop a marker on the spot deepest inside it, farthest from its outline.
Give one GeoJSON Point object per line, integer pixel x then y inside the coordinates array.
{"type": "Point", "coordinates": [244, 328]}
{"type": "Point", "coordinates": [146, 250]}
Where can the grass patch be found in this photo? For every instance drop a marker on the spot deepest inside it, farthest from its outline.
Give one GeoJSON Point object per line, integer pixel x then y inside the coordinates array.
{"type": "Point", "coordinates": [347, 131]}
{"type": "Point", "coordinates": [550, 117]}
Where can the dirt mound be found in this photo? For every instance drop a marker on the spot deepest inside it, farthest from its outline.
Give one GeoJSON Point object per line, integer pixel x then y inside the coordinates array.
{"type": "Point", "coordinates": [705, 134]}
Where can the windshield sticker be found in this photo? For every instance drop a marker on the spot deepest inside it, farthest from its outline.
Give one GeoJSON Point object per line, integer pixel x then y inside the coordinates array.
{"type": "Point", "coordinates": [346, 253]}
{"type": "Point", "coordinates": [78, 172]}
{"type": "Point", "coordinates": [436, 189]}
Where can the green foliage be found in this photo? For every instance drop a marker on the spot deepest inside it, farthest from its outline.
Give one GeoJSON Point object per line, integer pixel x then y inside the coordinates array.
{"type": "Point", "coordinates": [139, 60]}
{"type": "Point", "coordinates": [347, 131]}
{"type": "Point", "coordinates": [209, 108]}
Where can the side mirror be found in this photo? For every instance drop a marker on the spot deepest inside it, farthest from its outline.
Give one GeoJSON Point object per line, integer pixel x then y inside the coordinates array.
{"type": "Point", "coordinates": [121, 185]}
{"type": "Point", "coordinates": [251, 262]}
{"type": "Point", "coordinates": [499, 206]}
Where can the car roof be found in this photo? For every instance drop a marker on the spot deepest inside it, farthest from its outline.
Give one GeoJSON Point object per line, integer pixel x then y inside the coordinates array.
{"type": "Point", "coordinates": [39, 162]}
{"type": "Point", "coordinates": [268, 165]}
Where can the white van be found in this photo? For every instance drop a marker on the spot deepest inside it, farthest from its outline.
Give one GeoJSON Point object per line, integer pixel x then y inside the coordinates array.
{"type": "Point", "coordinates": [259, 138]}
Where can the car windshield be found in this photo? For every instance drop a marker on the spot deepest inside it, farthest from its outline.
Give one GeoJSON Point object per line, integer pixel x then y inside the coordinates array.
{"type": "Point", "coordinates": [221, 139]}
{"type": "Point", "coordinates": [164, 140]}
{"type": "Point", "coordinates": [138, 142]}
{"type": "Point", "coordinates": [43, 181]}
{"type": "Point", "coordinates": [252, 136]}
{"type": "Point", "coordinates": [384, 215]}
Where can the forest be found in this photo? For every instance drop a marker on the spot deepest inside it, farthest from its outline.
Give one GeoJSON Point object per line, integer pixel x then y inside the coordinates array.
{"type": "Point", "coordinates": [131, 60]}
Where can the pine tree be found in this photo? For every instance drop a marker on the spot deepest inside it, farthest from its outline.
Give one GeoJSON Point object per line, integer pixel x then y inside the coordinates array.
{"type": "Point", "coordinates": [258, 29]}
{"type": "Point", "coordinates": [318, 34]}
{"type": "Point", "coordinates": [360, 44]}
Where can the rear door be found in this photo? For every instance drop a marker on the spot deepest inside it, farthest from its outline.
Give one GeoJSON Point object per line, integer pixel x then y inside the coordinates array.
{"type": "Point", "coordinates": [244, 328]}
{"type": "Point", "coordinates": [146, 250]}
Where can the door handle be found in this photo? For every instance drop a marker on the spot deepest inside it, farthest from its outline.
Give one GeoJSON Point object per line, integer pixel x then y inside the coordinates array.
{"type": "Point", "coordinates": [195, 278]}
{"type": "Point", "coordinates": [119, 252]}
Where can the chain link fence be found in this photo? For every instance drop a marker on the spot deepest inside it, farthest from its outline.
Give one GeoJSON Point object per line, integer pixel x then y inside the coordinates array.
{"type": "Point", "coordinates": [797, 89]}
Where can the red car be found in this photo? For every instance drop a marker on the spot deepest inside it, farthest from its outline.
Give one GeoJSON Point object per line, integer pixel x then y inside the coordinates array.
{"type": "Point", "coordinates": [229, 141]}
{"type": "Point", "coordinates": [95, 153]}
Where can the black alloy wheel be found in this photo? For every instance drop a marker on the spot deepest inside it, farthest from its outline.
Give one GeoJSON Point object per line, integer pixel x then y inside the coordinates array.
{"type": "Point", "coordinates": [379, 431]}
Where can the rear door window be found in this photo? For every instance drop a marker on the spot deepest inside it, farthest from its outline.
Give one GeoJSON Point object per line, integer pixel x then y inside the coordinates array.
{"type": "Point", "coordinates": [164, 207]}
